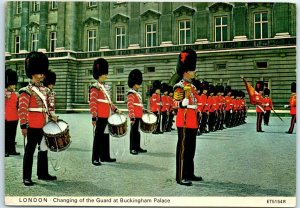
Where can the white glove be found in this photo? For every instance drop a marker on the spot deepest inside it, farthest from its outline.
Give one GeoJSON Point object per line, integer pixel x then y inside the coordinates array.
{"type": "Point", "coordinates": [267, 104]}
{"type": "Point", "coordinates": [231, 111]}
{"type": "Point", "coordinates": [185, 102]}
{"type": "Point", "coordinates": [286, 106]}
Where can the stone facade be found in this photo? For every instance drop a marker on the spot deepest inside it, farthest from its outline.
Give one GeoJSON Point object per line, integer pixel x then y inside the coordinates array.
{"type": "Point", "coordinates": [255, 39]}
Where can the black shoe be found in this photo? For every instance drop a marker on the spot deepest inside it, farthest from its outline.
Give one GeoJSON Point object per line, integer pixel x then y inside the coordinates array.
{"type": "Point", "coordinates": [260, 131]}
{"type": "Point", "coordinates": [6, 155]}
{"type": "Point", "coordinates": [285, 132]}
{"type": "Point", "coordinates": [155, 132]}
{"type": "Point", "coordinates": [142, 150]}
{"type": "Point", "coordinates": [133, 152]}
{"type": "Point", "coordinates": [47, 177]}
{"type": "Point", "coordinates": [109, 160]}
{"type": "Point", "coordinates": [196, 178]}
{"type": "Point", "coordinates": [14, 153]}
{"type": "Point", "coordinates": [160, 132]}
{"type": "Point", "coordinates": [96, 163]}
{"type": "Point", "coordinates": [185, 183]}
{"type": "Point", "coordinates": [28, 182]}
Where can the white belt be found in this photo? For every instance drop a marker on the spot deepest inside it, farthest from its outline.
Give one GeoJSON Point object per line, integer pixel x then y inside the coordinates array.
{"type": "Point", "coordinates": [199, 103]}
{"type": "Point", "coordinates": [102, 101]}
{"type": "Point", "coordinates": [37, 110]}
{"type": "Point", "coordinates": [138, 104]}
{"type": "Point", "coordinates": [192, 106]}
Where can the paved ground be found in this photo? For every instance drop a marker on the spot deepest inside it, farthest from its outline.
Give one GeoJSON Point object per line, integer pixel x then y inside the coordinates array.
{"type": "Point", "coordinates": [233, 162]}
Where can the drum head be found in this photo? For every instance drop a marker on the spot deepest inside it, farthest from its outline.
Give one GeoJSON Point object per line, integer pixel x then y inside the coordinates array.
{"type": "Point", "coordinates": [117, 119]}
{"type": "Point", "coordinates": [149, 118]}
{"type": "Point", "coordinates": [55, 128]}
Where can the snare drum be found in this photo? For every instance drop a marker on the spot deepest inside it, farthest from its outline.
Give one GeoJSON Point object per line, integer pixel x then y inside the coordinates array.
{"type": "Point", "coordinates": [57, 135]}
{"type": "Point", "coordinates": [117, 125]}
{"type": "Point", "coordinates": [148, 122]}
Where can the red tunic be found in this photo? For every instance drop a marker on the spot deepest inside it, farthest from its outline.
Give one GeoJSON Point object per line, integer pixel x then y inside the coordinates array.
{"type": "Point", "coordinates": [202, 103]}
{"type": "Point", "coordinates": [293, 104]}
{"type": "Point", "coordinates": [259, 100]}
{"type": "Point", "coordinates": [212, 103]}
{"type": "Point", "coordinates": [165, 103]}
{"type": "Point", "coordinates": [11, 108]}
{"type": "Point", "coordinates": [186, 116]}
{"type": "Point", "coordinates": [155, 103]}
{"type": "Point", "coordinates": [100, 103]}
{"type": "Point", "coordinates": [170, 101]}
{"type": "Point", "coordinates": [268, 102]}
{"type": "Point", "coordinates": [32, 111]}
{"type": "Point", "coordinates": [134, 104]}
{"type": "Point", "coordinates": [228, 103]}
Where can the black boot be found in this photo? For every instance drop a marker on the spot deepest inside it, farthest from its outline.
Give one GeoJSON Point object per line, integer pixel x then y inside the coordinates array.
{"type": "Point", "coordinates": [42, 167]}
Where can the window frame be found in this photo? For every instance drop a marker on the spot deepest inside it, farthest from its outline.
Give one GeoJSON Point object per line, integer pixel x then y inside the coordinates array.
{"type": "Point", "coordinates": [220, 26]}
{"type": "Point", "coordinates": [261, 22]}
{"type": "Point", "coordinates": [120, 94]}
{"type": "Point", "coordinates": [53, 5]}
{"type": "Point", "coordinates": [93, 39]}
{"type": "Point", "coordinates": [34, 41]}
{"type": "Point", "coordinates": [35, 6]}
{"type": "Point", "coordinates": [122, 37]}
{"type": "Point", "coordinates": [52, 41]}
{"type": "Point", "coordinates": [18, 7]}
{"type": "Point", "coordinates": [151, 33]}
{"type": "Point", "coordinates": [185, 30]}
{"type": "Point", "coordinates": [17, 44]}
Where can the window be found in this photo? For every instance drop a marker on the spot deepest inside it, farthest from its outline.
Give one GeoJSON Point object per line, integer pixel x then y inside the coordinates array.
{"type": "Point", "coordinates": [221, 29]}
{"type": "Point", "coordinates": [184, 32]}
{"type": "Point", "coordinates": [220, 66]}
{"type": "Point", "coordinates": [35, 6]}
{"type": "Point", "coordinates": [53, 5]}
{"type": "Point", "coordinates": [91, 40]}
{"type": "Point", "coordinates": [119, 71]}
{"type": "Point", "coordinates": [34, 41]}
{"type": "Point", "coordinates": [150, 69]}
{"type": "Point", "coordinates": [150, 35]}
{"type": "Point", "coordinates": [92, 4]}
{"type": "Point", "coordinates": [52, 41]}
{"type": "Point", "coordinates": [260, 25]}
{"type": "Point", "coordinates": [120, 37]}
{"type": "Point", "coordinates": [19, 7]}
{"type": "Point", "coordinates": [120, 93]}
{"type": "Point", "coordinates": [17, 44]}
{"type": "Point", "coordinates": [261, 65]}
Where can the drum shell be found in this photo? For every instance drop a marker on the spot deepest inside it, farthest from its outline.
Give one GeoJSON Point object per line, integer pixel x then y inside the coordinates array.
{"type": "Point", "coordinates": [119, 130]}
{"type": "Point", "coordinates": [147, 127]}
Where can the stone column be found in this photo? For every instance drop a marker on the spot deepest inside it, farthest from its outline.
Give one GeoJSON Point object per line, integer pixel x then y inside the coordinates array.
{"type": "Point", "coordinates": [43, 28]}
{"type": "Point", "coordinates": [24, 27]}
{"type": "Point", "coordinates": [239, 22]}
{"type": "Point", "coordinates": [166, 24]}
{"type": "Point", "coordinates": [70, 27]}
{"type": "Point", "coordinates": [60, 44]}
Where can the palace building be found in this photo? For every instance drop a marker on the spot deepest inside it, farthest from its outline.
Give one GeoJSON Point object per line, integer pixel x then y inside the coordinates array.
{"type": "Point", "coordinates": [256, 40]}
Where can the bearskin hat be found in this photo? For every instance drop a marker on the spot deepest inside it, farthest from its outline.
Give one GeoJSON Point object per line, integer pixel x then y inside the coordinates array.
{"type": "Point", "coordinates": [234, 93]}
{"type": "Point", "coordinates": [266, 91]}
{"type": "Point", "coordinates": [204, 85]}
{"type": "Point", "coordinates": [164, 87]}
{"type": "Point", "coordinates": [293, 87]}
{"type": "Point", "coordinates": [100, 67]}
{"type": "Point", "coordinates": [211, 89]}
{"type": "Point", "coordinates": [170, 89]}
{"type": "Point", "coordinates": [197, 84]}
{"type": "Point", "coordinates": [220, 88]}
{"type": "Point", "coordinates": [11, 77]}
{"type": "Point", "coordinates": [135, 77]}
{"type": "Point", "coordinates": [156, 85]}
{"type": "Point", "coordinates": [186, 61]}
{"type": "Point", "coordinates": [36, 63]}
{"type": "Point", "coordinates": [50, 78]}
{"type": "Point", "coordinates": [227, 89]}
{"type": "Point", "coordinates": [259, 86]}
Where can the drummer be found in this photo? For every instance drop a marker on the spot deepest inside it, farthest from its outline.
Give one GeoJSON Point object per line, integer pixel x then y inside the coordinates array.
{"type": "Point", "coordinates": [135, 110]}
{"type": "Point", "coordinates": [33, 107]}
{"type": "Point", "coordinates": [100, 108]}
{"type": "Point", "coordinates": [49, 81]}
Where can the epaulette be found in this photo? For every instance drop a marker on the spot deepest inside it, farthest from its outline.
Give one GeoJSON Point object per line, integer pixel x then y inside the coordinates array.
{"type": "Point", "coordinates": [178, 91]}
{"type": "Point", "coordinates": [94, 85]}
{"type": "Point", "coordinates": [26, 90]}
{"type": "Point", "coordinates": [179, 85]}
{"type": "Point", "coordinates": [130, 93]}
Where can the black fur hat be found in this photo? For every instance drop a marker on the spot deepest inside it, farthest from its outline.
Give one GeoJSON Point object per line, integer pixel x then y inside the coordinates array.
{"type": "Point", "coordinates": [220, 88]}
{"type": "Point", "coordinates": [227, 89]}
{"type": "Point", "coordinates": [50, 78]}
{"type": "Point", "coordinates": [11, 77]}
{"type": "Point", "coordinates": [164, 87]}
{"type": "Point", "coordinates": [266, 91]}
{"type": "Point", "coordinates": [36, 63]}
{"type": "Point", "coordinates": [186, 61]}
{"type": "Point", "coordinates": [259, 86]}
{"type": "Point", "coordinates": [135, 77]}
{"type": "Point", "coordinates": [100, 67]}
{"type": "Point", "coordinates": [170, 89]}
{"type": "Point", "coordinates": [293, 87]}
{"type": "Point", "coordinates": [211, 89]}
{"type": "Point", "coordinates": [197, 84]}
{"type": "Point", "coordinates": [204, 85]}
{"type": "Point", "coordinates": [156, 85]}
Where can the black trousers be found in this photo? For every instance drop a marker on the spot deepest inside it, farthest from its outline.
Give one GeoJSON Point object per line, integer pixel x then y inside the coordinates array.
{"type": "Point", "coordinates": [211, 121]}
{"type": "Point", "coordinates": [203, 122]}
{"type": "Point", "coordinates": [34, 138]}
{"type": "Point", "coordinates": [293, 121]}
{"type": "Point", "coordinates": [158, 121]}
{"type": "Point", "coordinates": [10, 136]}
{"type": "Point", "coordinates": [170, 121]}
{"type": "Point", "coordinates": [187, 145]}
{"type": "Point", "coordinates": [101, 150]}
{"type": "Point", "coordinates": [259, 120]}
{"type": "Point", "coordinates": [267, 117]}
{"type": "Point", "coordinates": [135, 136]}
{"type": "Point", "coordinates": [164, 121]}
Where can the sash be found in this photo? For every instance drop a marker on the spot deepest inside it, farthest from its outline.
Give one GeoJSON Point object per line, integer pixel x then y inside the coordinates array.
{"type": "Point", "coordinates": [102, 88]}
{"type": "Point", "coordinates": [43, 98]}
{"type": "Point", "coordinates": [138, 95]}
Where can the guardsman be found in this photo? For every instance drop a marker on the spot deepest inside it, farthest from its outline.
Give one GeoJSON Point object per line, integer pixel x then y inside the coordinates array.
{"type": "Point", "coordinates": [268, 106]}
{"type": "Point", "coordinates": [165, 106]}
{"type": "Point", "coordinates": [101, 108]}
{"type": "Point", "coordinates": [212, 107]}
{"type": "Point", "coordinates": [197, 85]}
{"type": "Point", "coordinates": [292, 106]}
{"type": "Point", "coordinates": [11, 112]}
{"type": "Point", "coordinates": [185, 96]}
{"type": "Point", "coordinates": [155, 104]}
{"type": "Point", "coordinates": [260, 108]}
{"type": "Point", "coordinates": [244, 108]}
{"type": "Point", "coordinates": [34, 105]}
{"type": "Point", "coordinates": [228, 106]}
{"type": "Point", "coordinates": [135, 110]}
{"type": "Point", "coordinates": [171, 109]}
{"type": "Point", "coordinates": [49, 81]}
{"type": "Point", "coordinates": [205, 107]}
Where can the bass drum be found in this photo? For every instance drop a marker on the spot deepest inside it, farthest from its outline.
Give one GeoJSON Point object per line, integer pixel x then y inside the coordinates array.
{"type": "Point", "coordinates": [57, 135]}
{"type": "Point", "coordinates": [148, 122]}
{"type": "Point", "coordinates": [117, 125]}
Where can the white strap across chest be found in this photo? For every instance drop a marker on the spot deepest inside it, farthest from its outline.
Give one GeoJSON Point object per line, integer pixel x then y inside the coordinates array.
{"type": "Point", "coordinates": [43, 98]}
{"type": "Point", "coordinates": [104, 91]}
